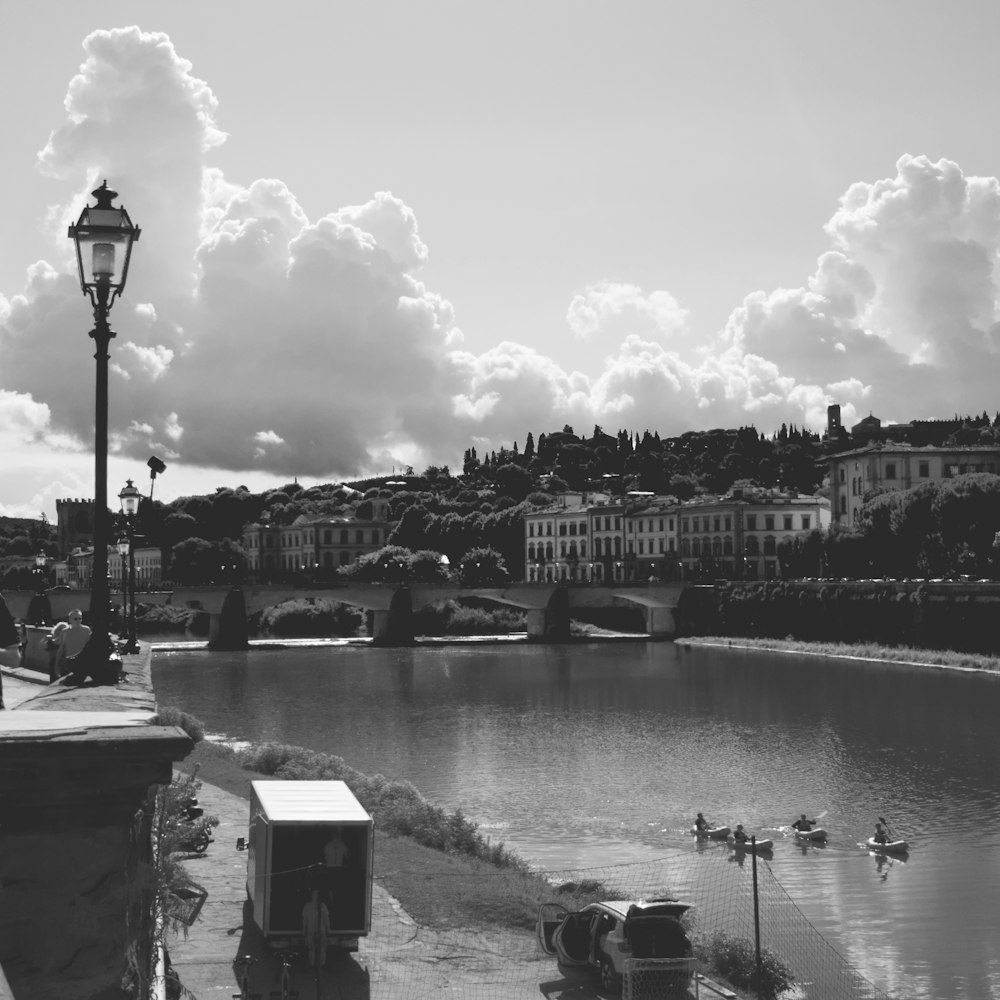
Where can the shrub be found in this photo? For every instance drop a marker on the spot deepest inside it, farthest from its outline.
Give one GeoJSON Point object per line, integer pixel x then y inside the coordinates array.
{"type": "Point", "coordinates": [308, 616]}
{"type": "Point", "coordinates": [168, 716]}
{"type": "Point", "coordinates": [735, 960]}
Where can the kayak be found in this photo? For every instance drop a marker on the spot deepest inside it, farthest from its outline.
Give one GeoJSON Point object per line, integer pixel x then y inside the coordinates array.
{"type": "Point", "coordinates": [818, 833]}
{"type": "Point", "coordinates": [891, 847]}
{"type": "Point", "coordinates": [745, 845]}
{"type": "Point", "coordinates": [717, 833]}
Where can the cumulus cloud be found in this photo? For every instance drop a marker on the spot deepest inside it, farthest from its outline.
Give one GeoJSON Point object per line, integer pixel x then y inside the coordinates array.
{"type": "Point", "coordinates": [255, 338]}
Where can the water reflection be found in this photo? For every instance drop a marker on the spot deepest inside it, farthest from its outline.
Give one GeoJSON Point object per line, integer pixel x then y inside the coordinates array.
{"type": "Point", "coordinates": [575, 754]}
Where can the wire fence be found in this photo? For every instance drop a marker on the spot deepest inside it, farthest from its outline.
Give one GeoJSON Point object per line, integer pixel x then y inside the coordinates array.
{"type": "Point", "coordinates": [500, 965]}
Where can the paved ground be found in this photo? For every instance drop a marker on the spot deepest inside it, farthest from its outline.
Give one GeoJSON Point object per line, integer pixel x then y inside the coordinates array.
{"type": "Point", "coordinates": [398, 960]}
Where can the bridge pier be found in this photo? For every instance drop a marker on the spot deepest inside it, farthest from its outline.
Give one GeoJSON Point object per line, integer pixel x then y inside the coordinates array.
{"type": "Point", "coordinates": [551, 623]}
{"type": "Point", "coordinates": [228, 629]}
{"type": "Point", "coordinates": [393, 626]}
{"type": "Point", "coordinates": [660, 622]}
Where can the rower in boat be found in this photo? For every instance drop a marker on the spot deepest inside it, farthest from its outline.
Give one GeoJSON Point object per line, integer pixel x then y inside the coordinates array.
{"type": "Point", "coordinates": [803, 825]}
{"type": "Point", "coordinates": [739, 840]}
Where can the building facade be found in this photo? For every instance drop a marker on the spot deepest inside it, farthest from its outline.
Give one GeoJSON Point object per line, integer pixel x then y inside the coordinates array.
{"type": "Point", "coordinates": [853, 474]}
{"type": "Point", "coordinates": [321, 544]}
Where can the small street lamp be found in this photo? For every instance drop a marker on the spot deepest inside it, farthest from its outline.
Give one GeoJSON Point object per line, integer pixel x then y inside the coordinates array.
{"type": "Point", "coordinates": [103, 236]}
{"type": "Point", "coordinates": [130, 498]}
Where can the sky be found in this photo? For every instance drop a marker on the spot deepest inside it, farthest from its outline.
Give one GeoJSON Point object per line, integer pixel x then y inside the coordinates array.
{"type": "Point", "coordinates": [377, 234]}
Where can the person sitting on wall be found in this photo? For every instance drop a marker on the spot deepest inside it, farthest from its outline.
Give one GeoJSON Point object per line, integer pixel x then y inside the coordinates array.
{"type": "Point", "coordinates": [67, 639]}
{"type": "Point", "coordinates": [97, 661]}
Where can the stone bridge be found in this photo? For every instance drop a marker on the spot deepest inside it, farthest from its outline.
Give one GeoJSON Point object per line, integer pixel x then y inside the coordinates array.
{"type": "Point", "coordinates": [548, 606]}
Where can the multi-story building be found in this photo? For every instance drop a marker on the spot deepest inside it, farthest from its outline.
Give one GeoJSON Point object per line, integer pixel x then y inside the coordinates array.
{"type": "Point", "coordinates": [737, 536]}
{"type": "Point", "coordinates": [556, 539]}
{"type": "Point", "coordinates": [650, 538]}
{"type": "Point", "coordinates": [898, 467]}
{"type": "Point", "coordinates": [316, 544]}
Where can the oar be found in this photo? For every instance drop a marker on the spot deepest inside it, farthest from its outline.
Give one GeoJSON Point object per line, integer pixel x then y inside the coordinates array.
{"type": "Point", "coordinates": [821, 815]}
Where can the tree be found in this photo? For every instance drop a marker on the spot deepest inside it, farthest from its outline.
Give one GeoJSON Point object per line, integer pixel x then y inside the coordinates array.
{"type": "Point", "coordinates": [483, 567]}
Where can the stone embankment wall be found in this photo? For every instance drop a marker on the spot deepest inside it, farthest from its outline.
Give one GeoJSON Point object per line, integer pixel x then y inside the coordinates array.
{"type": "Point", "coordinates": [955, 615]}
{"type": "Point", "coordinates": [78, 772]}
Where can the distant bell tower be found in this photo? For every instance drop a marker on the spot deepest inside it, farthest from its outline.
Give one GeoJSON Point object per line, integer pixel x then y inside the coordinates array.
{"type": "Point", "coordinates": [75, 525]}
{"type": "Point", "coordinates": [833, 422]}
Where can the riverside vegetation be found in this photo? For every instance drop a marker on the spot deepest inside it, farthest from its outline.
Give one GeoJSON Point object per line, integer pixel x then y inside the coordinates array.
{"type": "Point", "coordinates": [438, 864]}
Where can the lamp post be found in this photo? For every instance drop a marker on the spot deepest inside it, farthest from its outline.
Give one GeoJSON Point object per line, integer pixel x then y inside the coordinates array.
{"type": "Point", "coordinates": [103, 236]}
{"type": "Point", "coordinates": [130, 498]}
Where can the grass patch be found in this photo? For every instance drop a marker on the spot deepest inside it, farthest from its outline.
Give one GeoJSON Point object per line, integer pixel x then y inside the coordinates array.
{"type": "Point", "coordinates": [867, 651]}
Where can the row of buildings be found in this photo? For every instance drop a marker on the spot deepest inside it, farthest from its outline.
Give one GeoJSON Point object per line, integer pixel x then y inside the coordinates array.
{"type": "Point", "coordinates": [599, 538]}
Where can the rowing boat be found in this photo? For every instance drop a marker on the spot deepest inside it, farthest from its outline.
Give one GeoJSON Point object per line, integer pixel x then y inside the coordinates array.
{"type": "Point", "coordinates": [745, 845]}
{"type": "Point", "coordinates": [890, 847]}
{"type": "Point", "coordinates": [816, 834]}
{"type": "Point", "coordinates": [716, 833]}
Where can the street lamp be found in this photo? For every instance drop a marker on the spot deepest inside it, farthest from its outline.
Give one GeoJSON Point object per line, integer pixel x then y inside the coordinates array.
{"type": "Point", "coordinates": [129, 498]}
{"type": "Point", "coordinates": [103, 236]}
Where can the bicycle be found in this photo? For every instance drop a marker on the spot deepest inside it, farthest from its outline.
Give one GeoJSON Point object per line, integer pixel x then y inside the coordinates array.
{"type": "Point", "coordinates": [286, 992]}
{"type": "Point", "coordinates": [245, 961]}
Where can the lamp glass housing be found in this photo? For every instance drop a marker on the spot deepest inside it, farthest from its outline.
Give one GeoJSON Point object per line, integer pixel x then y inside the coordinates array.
{"type": "Point", "coordinates": [103, 236]}
{"type": "Point", "coordinates": [130, 497]}
{"type": "Point", "coordinates": [123, 546]}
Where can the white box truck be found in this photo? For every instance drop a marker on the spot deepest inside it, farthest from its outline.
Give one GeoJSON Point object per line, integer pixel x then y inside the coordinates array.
{"type": "Point", "coordinates": [307, 835]}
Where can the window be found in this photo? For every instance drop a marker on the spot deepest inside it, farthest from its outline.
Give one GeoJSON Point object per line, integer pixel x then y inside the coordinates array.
{"type": "Point", "coordinates": [684, 525]}
{"type": "Point", "coordinates": [753, 547]}
{"type": "Point", "coordinates": [343, 536]}
{"type": "Point", "coordinates": [548, 528]}
{"type": "Point", "coordinates": [583, 550]}
{"type": "Point", "coordinates": [642, 547]}
{"type": "Point", "coordinates": [531, 552]}
{"type": "Point", "coordinates": [572, 527]}
{"type": "Point", "coordinates": [618, 524]}
{"type": "Point", "coordinates": [787, 522]}
{"type": "Point", "coordinates": [598, 548]}
{"type": "Point", "coordinates": [695, 546]}
{"type": "Point", "coordinates": [704, 523]}
{"type": "Point", "coordinates": [531, 530]}
{"type": "Point", "coordinates": [661, 546]}
{"type": "Point", "coordinates": [661, 524]}
{"type": "Point", "coordinates": [890, 470]}
{"type": "Point", "coordinates": [562, 550]}
{"type": "Point", "coordinates": [670, 524]}
{"type": "Point", "coordinates": [769, 545]}
{"type": "Point", "coordinates": [751, 522]}
{"type": "Point", "coordinates": [729, 522]}
{"type": "Point", "coordinates": [843, 505]}
{"type": "Point", "coordinates": [806, 521]}
{"type": "Point", "coordinates": [717, 524]}
{"type": "Point", "coordinates": [562, 527]}
{"type": "Point", "coordinates": [925, 470]}
{"type": "Point", "coordinates": [359, 537]}
{"type": "Point", "coordinates": [607, 524]}
{"type": "Point", "coordinates": [769, 522]}
{"type": "Point", "coordinates": [727, 545]}
{"type": "Point", "coordinates": [843, 475]}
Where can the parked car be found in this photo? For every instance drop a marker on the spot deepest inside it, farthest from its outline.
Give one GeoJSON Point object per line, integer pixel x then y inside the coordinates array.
{"type": "Point", "coordinates": [604, 936]}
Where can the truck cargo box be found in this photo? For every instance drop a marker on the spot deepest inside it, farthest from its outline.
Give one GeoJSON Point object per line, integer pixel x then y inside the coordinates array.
{"type": "Point", "coordinates": [305, 835]}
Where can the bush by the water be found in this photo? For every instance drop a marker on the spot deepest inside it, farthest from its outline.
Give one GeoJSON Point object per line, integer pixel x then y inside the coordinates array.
{"type": "Point", "coordinates": [455, 618]}
{"type": "Point", "coordinates": [169, 716]}
{"type": "Point", "coordinates": [735, 960]}
{"type": "Point", "coordinates": [396, 806]}
{"type": "Point", "coordinates": [310, 617]}
{"type": "Point", "coordinates": [161, 619]}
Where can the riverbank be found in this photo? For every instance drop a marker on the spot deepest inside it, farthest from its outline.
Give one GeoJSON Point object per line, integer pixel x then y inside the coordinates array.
{"type": "Point", "coordinates": [939, 659]}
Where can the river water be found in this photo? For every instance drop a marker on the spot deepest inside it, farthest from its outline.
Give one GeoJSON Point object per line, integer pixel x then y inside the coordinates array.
{"type": "Point", "coordinates": [588, 755]}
